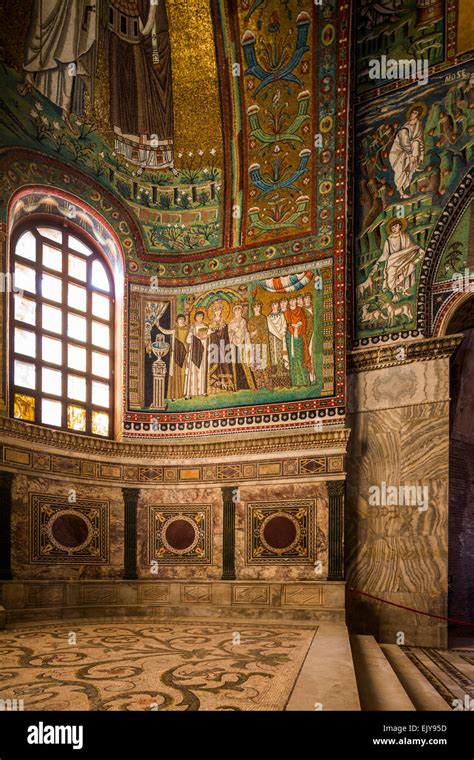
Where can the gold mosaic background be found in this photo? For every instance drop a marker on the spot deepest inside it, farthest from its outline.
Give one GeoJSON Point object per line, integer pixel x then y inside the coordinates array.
{"type": "Point", "coordinates": [197, 120]}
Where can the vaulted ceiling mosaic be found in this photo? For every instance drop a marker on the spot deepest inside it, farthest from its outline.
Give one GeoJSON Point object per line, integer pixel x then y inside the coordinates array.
{"type": "Point", "coordinates": [219, 128]}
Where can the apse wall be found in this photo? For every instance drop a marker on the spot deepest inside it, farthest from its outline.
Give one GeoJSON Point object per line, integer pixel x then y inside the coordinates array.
{"type": "Point", "coordinates": [412, 266]}
{"type": "Point", "coordinates": [210, 179]}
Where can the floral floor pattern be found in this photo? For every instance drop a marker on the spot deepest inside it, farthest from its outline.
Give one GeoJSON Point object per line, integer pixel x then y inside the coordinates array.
{"type": "Point", "coordinates": [158, 666]}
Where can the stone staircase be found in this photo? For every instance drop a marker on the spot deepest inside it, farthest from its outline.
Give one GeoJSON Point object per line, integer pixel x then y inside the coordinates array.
{"type": "Point", "coordinates": [388, 680]}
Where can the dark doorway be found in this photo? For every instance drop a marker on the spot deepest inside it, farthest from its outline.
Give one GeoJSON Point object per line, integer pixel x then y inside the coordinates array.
{"type": "Point", "coordinates": [461, 473]}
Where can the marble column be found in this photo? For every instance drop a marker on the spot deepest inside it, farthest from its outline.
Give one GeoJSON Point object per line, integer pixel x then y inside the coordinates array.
{"type": "Point", "coordinates": [228, 539]}
{"type": "Point", "coordinates": [336, 492]}
{"type": "Point", "coordinates": [6, 479]}
{"type": "Point", "coordinates": [130, 501]}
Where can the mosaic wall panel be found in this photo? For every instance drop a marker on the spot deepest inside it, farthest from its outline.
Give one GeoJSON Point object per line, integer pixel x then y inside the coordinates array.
{"type": "Point", "coordinates": [180, 535]}
{"type": "Point", "coordinates": [65, 533]}
{"type": "Point", "coordinates": [280, 532]}
{"type": "Point", "coordinates": [414, 150]}
{"type": "Point", "coordinates": [225, 159]}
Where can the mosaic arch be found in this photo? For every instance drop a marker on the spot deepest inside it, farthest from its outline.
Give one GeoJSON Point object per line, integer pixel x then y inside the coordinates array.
{"type": "Point", "coordinates": [241, 164]}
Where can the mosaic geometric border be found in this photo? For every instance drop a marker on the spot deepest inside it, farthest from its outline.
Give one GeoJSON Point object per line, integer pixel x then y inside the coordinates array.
{"type": "Point", "coordinates": [45, 548]}
{"type": "Point", "coordinates": [86, 468]}
{"type": "Point", "coordinates": [198, 519]}
{"type": "Point", "coordinates": [299, 516]}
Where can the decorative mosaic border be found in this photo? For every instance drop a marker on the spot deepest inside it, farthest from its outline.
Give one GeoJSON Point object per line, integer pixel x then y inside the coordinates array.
{"type": "Point", "coordinates": [19, 458]}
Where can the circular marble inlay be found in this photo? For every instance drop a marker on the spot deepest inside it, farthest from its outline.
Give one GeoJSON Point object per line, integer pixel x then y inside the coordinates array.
{"type": "Point", "coordinates": [180, 534]}
{"type": "Point", "coordinates": [69, 531]}
{"type": "Point", "coordinates": [279, 532]}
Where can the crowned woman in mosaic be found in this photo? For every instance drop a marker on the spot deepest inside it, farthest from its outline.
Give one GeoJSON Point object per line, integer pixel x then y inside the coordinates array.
{"type": "Point", "coordinates": [221, 377]}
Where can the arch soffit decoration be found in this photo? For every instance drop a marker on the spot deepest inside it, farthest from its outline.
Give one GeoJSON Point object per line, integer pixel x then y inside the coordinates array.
{"type": "Point", "coordinates": [447, 222]}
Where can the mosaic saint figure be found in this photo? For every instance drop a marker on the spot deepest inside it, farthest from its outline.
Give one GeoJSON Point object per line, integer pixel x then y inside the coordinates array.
{"type": "Point", "coordinates": [297, 345]}
{"type": "Point", "coordinates": [279, 363]}
{"type": "Point", "coordinates": [308, 309]}
{"type": "Point", "coordinates": [408, 149]}
{"type": "Point", "coordinates": [400, 255]}
{"type": "Point", "coordinates": [258, 331]}
{"type": "Point", "coordinates": [141, 105]}
{"type": "Point", "coordinates": [221, 376]}
{"type": "Point", "coordinates": [241, 349]}
{"type": "Point", "coordinates": [195, 376]}
{"type": "Point", "coordinates": [61, 52]}
{"type": "Point", "coordinates": [178, 354]}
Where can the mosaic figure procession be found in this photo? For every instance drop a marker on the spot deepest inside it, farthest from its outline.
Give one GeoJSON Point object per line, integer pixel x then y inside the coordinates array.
{"type": "Point", "coordinates": [212, 355]}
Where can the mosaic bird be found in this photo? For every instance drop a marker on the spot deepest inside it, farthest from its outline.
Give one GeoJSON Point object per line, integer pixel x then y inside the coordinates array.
{"type": "Point", "coordinates": [287, 135]}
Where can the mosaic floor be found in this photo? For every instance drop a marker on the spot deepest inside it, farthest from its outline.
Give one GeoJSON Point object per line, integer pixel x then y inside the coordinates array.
{"type": "Point", "coordinates": [449, 671]}
{"type": "Point", "coordinates": [133, 666]}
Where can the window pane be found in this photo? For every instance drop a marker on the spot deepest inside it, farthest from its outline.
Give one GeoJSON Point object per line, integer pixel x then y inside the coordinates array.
{"type": "Point", "coordinates": [100, 335]}
{"type": "Point", "coordinates": [76, 417]}
{"type": "Point", "coordinates": [25, 310]}
{"type": "Point", "coordinates": [51, 350]}
{"type": "Point", "coordinates": [25, 278]}
{"type": "Point", "coordinates": [25, 374]}
{"type": "Point", "coordinates": [52, 319]}
{"type": "Point", "coordinates": [25, 342]}
{"type": "Point", "coordinates": [100, 394]}
{"type": "Point", "coordinates": [99, 276]}
{"type": "Point", "coordinates": [24, 407]}
{"type": "Point", "coordinates": [76, 327]}
{"type": "Point", "coordinates": [51, 412]}
{"type": "Point", "coordinates": [76, 357]}
{"type": "Point", "coordinates": [100, 364]}
{"type": "Point", "coordinates": [100, 423]}
{"type": "Point", "coordinates": [77, 268]}
{"type": "Point", "coordinates": [51, 381]}
{"type": "Point", "coordinates": [78, 245]}
{"type": "Point", "coordinates": [51, 287]}
{"type": "Point", "coordinates": [77, 297]}
{"type": "Point", "coordinates": [51, 233]}
{"type": "Point", "coordinates": [26, 246]}
{"type": "Point", "coordinates": [52, 258]}
{"type": "Point", "coordinates": [100, 306]}
{"type": "Point", "coordinates": [76, 387]}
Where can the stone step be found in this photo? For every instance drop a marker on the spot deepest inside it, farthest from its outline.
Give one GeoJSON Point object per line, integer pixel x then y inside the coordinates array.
{"type": "Point", "coordinates": [327, 680]}
{"type": "Point", "coordinates": [378, 684]}
{"type": "Point", "coordinates": [423, 695]}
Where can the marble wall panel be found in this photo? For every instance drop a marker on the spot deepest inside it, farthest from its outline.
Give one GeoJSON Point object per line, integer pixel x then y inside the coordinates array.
{"type": "Point", "coordinates": [185, 500]}
{"type": "Point", "coordinates": [108, 565]}
{"type": "Point", "coordinates": [282, 494]}
{"type": "Point", "coordinates": [399, 551]}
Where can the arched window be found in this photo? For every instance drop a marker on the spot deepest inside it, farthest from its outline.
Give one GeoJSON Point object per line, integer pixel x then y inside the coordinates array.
{"type": "Point", "coordinates": [62, 331]}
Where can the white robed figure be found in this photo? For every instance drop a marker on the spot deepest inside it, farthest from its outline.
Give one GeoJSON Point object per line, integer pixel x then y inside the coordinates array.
{"type": "Point", "coordinates": [408, 149]}
{"type": "Point", "coordinates": [61, 51]}
{"type": "Point", "coordinates": [400, 255]}
{"type": "Point", "coordinates": [280, 363]}
{"type": "Point", "coordinates": [195, 375]}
